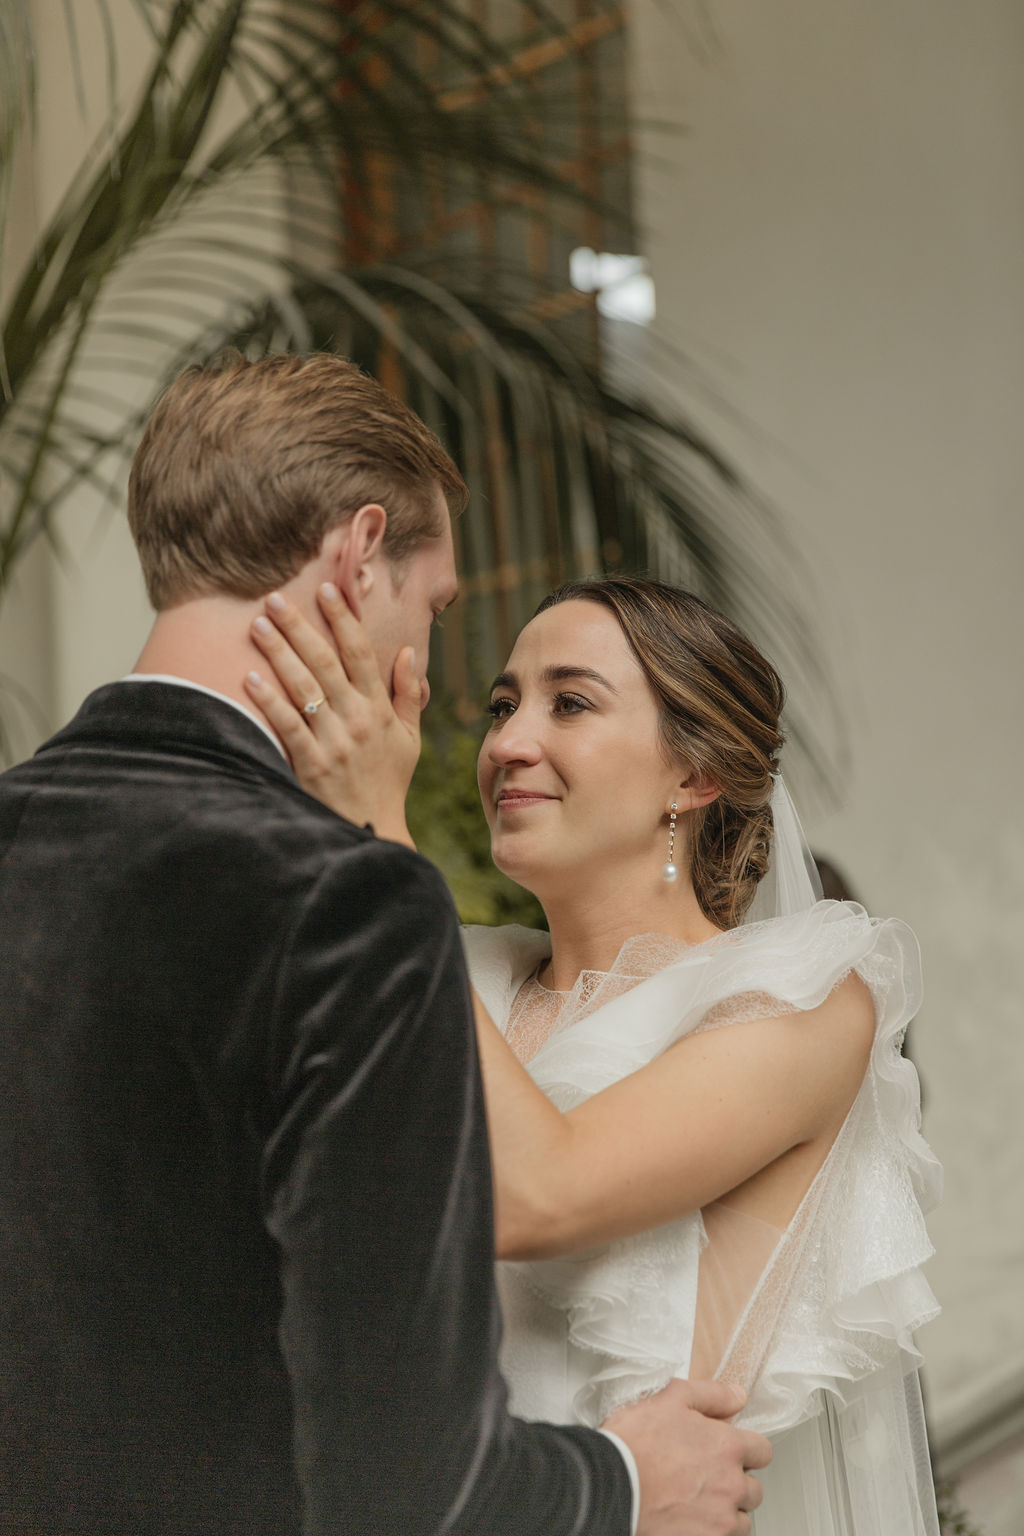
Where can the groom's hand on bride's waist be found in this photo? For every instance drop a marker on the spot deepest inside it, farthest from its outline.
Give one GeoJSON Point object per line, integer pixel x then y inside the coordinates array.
{"type": "Point", "coordinates": [694, 1466]}
{"type": "Point", "coordinates": [353, 742]}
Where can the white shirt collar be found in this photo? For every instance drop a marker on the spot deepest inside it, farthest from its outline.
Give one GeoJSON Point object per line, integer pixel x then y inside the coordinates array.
{"type": "Point", "coordinates": [184, 682]}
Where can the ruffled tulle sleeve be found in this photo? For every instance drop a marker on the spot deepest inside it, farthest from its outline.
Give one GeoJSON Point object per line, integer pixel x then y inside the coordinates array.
{"type": "Point", "coordinates": [842, 1290]}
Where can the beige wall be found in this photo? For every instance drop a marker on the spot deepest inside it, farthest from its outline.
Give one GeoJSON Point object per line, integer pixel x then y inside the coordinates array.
{"type": "Point", "coordinates": [838, 242]}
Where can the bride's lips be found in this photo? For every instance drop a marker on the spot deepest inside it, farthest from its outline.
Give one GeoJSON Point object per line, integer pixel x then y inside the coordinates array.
{"type": "Point", "coordinates": [518, 799]}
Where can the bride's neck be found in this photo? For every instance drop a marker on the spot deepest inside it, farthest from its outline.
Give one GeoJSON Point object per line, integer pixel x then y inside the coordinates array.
{"type": "Point", "coordinates": [589, 928]}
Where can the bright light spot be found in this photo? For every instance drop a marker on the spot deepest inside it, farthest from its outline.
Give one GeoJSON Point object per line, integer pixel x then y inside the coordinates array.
{"type": "Point", "coordinates": [624, 287]}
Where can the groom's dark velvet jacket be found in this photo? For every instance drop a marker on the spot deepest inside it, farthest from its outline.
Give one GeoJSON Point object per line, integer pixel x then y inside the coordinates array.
{"type": "Point", "coordinates": [245, 1207]}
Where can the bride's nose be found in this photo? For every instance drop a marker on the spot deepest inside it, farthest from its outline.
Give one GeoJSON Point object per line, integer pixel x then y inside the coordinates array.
{"type": "Point", "coordinates": [515, 742]}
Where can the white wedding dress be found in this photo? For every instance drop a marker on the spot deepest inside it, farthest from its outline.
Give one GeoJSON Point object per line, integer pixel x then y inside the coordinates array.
{"type": "Point", "coordinates": [816, 1321]}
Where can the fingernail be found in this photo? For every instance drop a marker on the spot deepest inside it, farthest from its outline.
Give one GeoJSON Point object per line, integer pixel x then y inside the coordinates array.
{"type": "Point", "coordinates": [275, 602]}
{"type": "Point", "coordinates": [329, 592]}
{"type": "Point", "coordinates": [255, 679]}
{"type": "Point", "coordinates": [263, 626]}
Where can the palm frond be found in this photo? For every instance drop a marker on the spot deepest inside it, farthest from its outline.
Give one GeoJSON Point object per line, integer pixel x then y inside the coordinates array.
{"type": "Point", "coordinates": [309, 95]}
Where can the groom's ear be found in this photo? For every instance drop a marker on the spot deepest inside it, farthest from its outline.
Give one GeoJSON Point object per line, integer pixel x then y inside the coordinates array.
{"type": "Point", "coordinates": [349, 552]}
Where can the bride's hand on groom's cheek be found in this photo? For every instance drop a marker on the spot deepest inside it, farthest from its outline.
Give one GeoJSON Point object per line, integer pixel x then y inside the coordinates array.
{"type": "Point", "coordinates": [353, 743]}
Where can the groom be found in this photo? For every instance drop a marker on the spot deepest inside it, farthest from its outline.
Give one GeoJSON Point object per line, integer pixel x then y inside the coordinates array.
{"type": "Point", "coordinates": [245, 1228]}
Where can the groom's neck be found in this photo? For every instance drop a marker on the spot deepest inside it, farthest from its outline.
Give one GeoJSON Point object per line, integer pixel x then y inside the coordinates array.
{"type": "Point", "coordinates": [205, 640]}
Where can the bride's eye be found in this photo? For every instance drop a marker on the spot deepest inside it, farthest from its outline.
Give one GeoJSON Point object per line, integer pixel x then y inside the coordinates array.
{"type": "Point", "coordinates": [501, 708]}
{"type": "Point", "coordinates": [570, 704]}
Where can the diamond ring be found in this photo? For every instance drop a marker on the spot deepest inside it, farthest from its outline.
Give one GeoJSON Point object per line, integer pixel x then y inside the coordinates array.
{"type": "Point", "coordinates": [313, 705]}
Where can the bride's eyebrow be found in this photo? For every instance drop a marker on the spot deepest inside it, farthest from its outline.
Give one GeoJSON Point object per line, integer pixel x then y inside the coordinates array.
{"type": "Point", "coordinates": [563, 674]}
{"type": "Point", "coordinates": [566, 674]}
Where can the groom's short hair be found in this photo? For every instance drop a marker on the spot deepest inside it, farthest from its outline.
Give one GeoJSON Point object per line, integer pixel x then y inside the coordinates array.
{"type": "Point", "coordinates": [244, 467]}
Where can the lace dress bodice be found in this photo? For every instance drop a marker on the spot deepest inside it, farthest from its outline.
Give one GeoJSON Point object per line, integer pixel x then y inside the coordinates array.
{"type": "Point", "coordinates": [815, 1321]}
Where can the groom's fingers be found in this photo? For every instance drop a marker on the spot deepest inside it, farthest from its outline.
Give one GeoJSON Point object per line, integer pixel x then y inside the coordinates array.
{"type": "Point", "coordinates": [715, 1399]}
{"type": "Point", "coordinates": [757, 1452]}
{"type": "Point", "coordinates": [753, 1495]}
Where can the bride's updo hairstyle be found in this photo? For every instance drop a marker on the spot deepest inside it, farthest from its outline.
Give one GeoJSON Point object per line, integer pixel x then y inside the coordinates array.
{"type": "Point", "coordinates": [719, 702]}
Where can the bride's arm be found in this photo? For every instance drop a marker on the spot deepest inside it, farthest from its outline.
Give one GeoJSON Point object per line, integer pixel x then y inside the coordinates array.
{"type": "Point", "coordinates": [699, 1121]}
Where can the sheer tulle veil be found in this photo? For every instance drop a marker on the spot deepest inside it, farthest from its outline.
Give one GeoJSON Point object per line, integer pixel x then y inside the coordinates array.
{"type": "Point", "coordinates": [792, 883]}
{"type": "Point", "coordinates": [861, 1467]}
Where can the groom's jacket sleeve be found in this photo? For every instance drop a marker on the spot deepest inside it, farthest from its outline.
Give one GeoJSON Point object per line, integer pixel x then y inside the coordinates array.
{"type": "Point", "coordinates": [377, 1191]}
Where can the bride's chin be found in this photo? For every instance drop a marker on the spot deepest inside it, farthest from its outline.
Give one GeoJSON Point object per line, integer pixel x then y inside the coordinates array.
{"type": "Point", "coordinates": [543, 879]}
{"type": "Point", "coordinates": [517, 867]}
{"type": "Point", "coordinates": [516, 874]}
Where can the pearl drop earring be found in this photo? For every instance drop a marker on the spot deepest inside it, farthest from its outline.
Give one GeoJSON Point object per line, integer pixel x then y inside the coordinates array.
{"type": "Point", "coordinates": [670, 870]}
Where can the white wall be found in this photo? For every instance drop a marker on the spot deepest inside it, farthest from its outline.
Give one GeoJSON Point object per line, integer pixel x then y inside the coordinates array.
{"type": "Point", "coordinates": [838, 241]}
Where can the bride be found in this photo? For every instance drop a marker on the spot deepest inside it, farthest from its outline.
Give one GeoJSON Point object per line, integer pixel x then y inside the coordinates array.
{"type": "Point", "coordinates": [706, 1151]}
